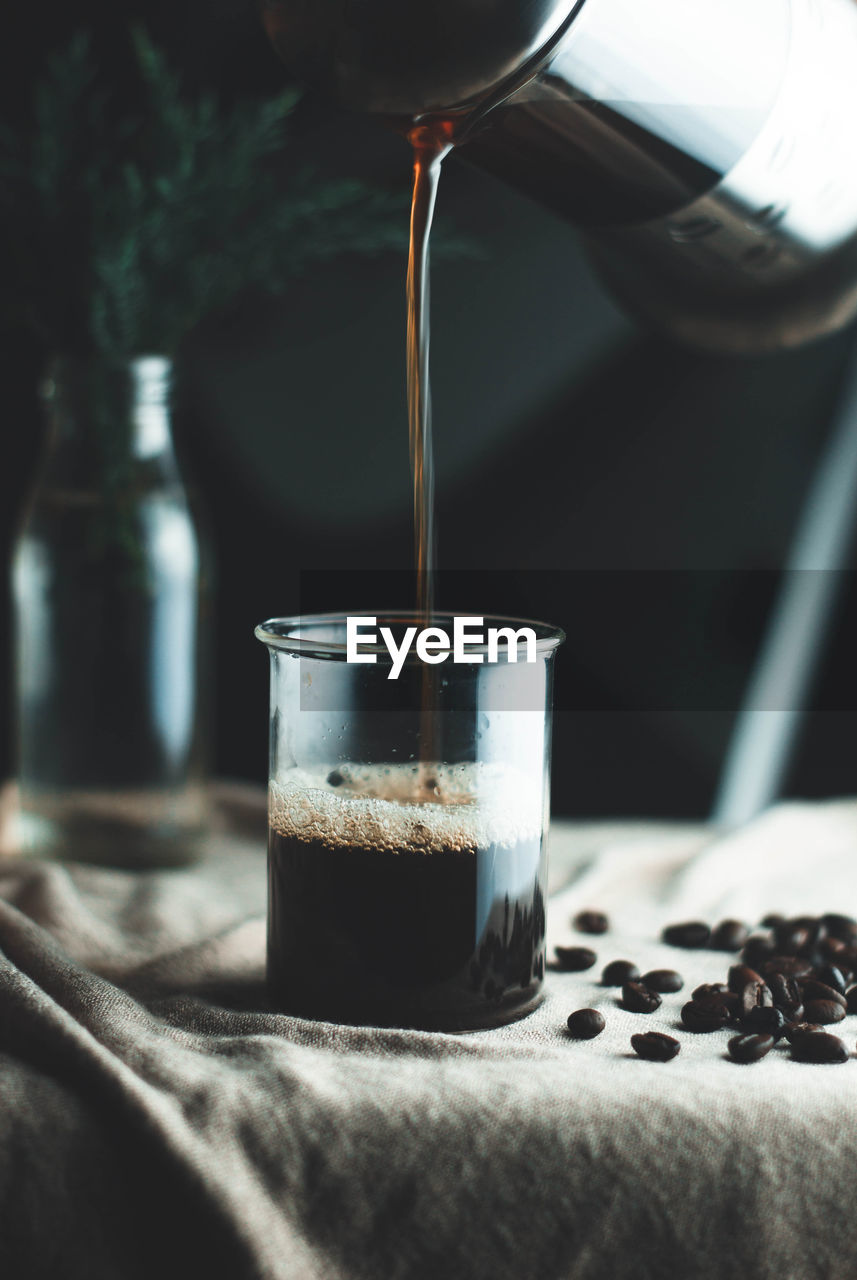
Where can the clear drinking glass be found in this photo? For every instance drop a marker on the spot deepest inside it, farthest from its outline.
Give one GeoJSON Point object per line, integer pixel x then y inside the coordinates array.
{"type": "Point", "coordinates": [408, 827]}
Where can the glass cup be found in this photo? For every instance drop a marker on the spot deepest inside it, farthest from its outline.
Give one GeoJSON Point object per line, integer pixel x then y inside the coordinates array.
{"type": "Point", "coordinates": [408, 825]}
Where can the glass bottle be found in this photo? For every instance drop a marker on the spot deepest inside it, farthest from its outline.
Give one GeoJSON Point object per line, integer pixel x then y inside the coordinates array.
{"type": "Point", "coordinates": [111, 595]}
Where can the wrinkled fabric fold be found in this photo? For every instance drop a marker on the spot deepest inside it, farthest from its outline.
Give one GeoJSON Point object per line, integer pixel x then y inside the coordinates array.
{"type": "Point", "coordinates": [157, 1117]}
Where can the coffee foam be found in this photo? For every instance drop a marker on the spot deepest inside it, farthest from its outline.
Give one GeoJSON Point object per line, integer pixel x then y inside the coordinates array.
{"type": "Point", "coordinates": [413, 808]}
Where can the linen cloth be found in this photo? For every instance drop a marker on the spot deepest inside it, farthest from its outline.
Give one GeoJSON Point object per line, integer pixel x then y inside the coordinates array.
{"type": "Point", "coordinates": [157, 1120]}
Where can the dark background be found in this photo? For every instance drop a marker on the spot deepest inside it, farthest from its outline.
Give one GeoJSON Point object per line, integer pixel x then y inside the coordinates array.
{"type": "Point", "coordinates": [565, 438]}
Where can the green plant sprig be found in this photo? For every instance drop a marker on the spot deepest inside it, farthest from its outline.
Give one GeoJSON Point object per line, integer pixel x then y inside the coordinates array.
{"type": "Point", "coordinates": [122, 230]}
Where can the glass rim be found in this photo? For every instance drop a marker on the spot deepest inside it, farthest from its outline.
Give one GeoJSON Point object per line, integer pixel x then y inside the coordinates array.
{"type": "Point", "coordinates": [279, 633]}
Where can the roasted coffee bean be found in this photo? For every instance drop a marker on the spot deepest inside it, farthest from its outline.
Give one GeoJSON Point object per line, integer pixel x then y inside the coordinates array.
{"type": "Point", "coordinates": [842, 927]}
{"type": "Point", "coordinates": [750, 1048]}
{"type": "Point", "coordinates": [806, 922]}
{"type": "Point", "coordinates": [765, 1021]}
{"type": "Point", "coordinates": [715, 994]}
{"type": "Point", "coordinates": [756, 995]}
{"type": "Point", "coordinates": [832, 949]}
{"type": "Point", "coordinates": [591, 922]}
{"type": "Point", "coordinates": [816, 933]}
{"type": "Point", "coordinates": [618, 972]}
{"type": "Point", "coordinates": [824, 1011]}
{"type": "Point", "coordinates": [654, 1046]}
{"type": "Point", "coordinates": [710, 989]}
{"type": "Point", "coordinates": [730, 935]}
{"type": "Point", "coordinates": [704, 1015]}
{"type": "Point", "coordinates": [733, 1006]}
{"type": "Point", "coordinates": [851, 999]}
{"type": "Point", "coordinates": [691, 936]}
{"type": "Point", "coordinates": [819, 1047]}
{"type": "Point", "coordinates": [831, 977]}
{"type": "Point", "coordinates": [663, 980]}
{"type": "Point", "coordinates": [586, 1024]}
{"type": "Point", "coordinates": [574, 959]}
{"type": "Point", "coordinates": [800, 936]}
{"type": "Point", "coordinates": [790, 938]}
{"type": "Point", "coordinates": [639, 999]}
{"type": "Point", "coordinates": [797, 1029]}
{"type": "Point", "coordinates": [740, 975]}
{"type": "Point", "coordinates": [791, 966]}
{"type": "Point", "coordinates": [785, 992]}
{"type": "Point", "coordinates": [772, 920]}
{"type": "Point", "coordinates": [814, 990]}
{"type": "Point", "coordinates": [758, 949]}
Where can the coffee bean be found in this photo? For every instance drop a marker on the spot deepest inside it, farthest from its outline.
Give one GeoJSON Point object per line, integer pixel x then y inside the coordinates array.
{"type": "Point", "coordinates": [618, 972]}
{"type": "Point", "coordinates": [664, 980]}
{"type": "Point", "coordinates": [814, 990]}
{"type": "Point", "coordinates": [851, 999]}
{"type": "Point", "coordinates": [639, 999]}
{"type": "Point", "coordinates": [807, 922]}
{"type": "Point", "coordinates": [714, 995]}
{"type": "Point", "coordinates": [842, 927]}
{"type": "Point", "coordinates": [574, 959]}
{"type": "Point", "coordinates": [816, 930]}
{"type": "Point", "coordinates": [733, 1006]}
{"type": "Point", "coordinates": [832, 949]}
{"type": "Point", "coordinates": [772, 920]}
{"type": "Point", "coordinates": [654, 1046]}
{"type": "Point", "coordinates": [710, 989]}
{"type": "Point", "coordinates": [831, 946]}
{"type": "Point", "coordinates": [691, 935]}
{"type": "Point", "coordinates": [704, 1015]}
{"type": "Point", "coordinates": [785, 993]}
{"type": "Point", "coordinates": [797, 1029]}
{"type": "Point", "coordinates": [819, 1047]}
{"type": "Point", "coordinates": [713, 999]}
{"type": "Point", "coordinates": [758, 949]}
{"type": "Point", "coordinates": [790, 966]}
{"type": "Point", "coordinates": [729, 935]}
{"type": "Point", "coordinates": [740, 975]}
{"type": "Point", "coordinates": [335, 778]}
{"type": "Point", "coordinates": [791, 936]}
{"type": "Point", "coordinates": [756, 995]}
{"type": "Point", "coordinates": [586, 1024]}
{"type": "Point", "coordinates": [831, 977]}
{"type": "Point", "coordinates": [591, 922]}
{"type": "Point", "coordinates": [750, 1048]}
{"type": "Point", "coordinates": [765, 1021]}
{"type": "Point", "coordinates": [824, 1011]}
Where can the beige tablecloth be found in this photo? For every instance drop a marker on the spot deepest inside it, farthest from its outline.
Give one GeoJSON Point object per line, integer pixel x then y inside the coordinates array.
{"type": "Point", "coordinates": [155, 1120]}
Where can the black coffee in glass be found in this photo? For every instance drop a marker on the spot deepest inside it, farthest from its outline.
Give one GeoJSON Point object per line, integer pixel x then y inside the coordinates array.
{"type": "Point", "coordinates": [406, 895]}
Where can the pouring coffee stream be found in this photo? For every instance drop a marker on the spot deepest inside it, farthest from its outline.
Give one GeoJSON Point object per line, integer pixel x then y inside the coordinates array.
{"type": "Point", "coordinates": [704, 149]}
{"type": "Point", "coordinates": [430, 145]}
